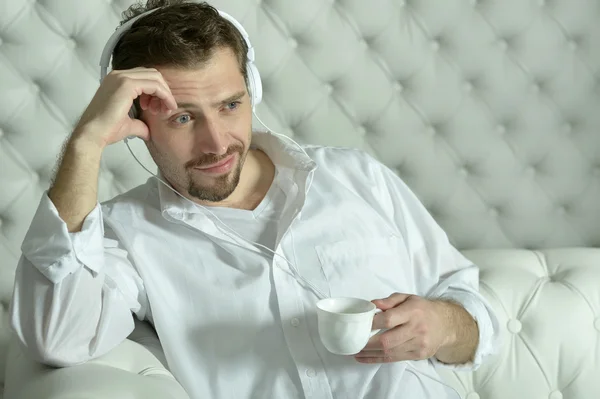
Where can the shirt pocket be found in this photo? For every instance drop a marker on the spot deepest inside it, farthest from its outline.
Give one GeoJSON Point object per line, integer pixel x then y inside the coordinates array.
{"type": "Point", "coordinates": [368, 268]}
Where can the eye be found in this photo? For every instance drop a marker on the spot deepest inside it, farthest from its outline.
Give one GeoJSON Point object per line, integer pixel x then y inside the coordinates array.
{"type": "Point", "coordinates": [183, 119]}
{"type": "Point", "coordinates": [232, 105]}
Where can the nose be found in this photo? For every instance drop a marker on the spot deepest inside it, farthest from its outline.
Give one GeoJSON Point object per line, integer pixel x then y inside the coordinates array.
{"type": "Point", "coordinates": [210, 137]}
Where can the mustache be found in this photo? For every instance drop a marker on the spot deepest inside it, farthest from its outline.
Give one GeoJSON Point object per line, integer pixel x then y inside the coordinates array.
{"type": "Point", "coordinates": [210, 159]}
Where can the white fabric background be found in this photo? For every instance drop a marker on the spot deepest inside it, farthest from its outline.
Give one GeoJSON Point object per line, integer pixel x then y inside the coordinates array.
{"type": "Point", "coordinates": [488, 109]}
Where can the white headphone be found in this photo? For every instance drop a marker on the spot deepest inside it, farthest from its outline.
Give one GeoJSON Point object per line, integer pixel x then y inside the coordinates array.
{"type": "Point", "coordinates": [254, 82]}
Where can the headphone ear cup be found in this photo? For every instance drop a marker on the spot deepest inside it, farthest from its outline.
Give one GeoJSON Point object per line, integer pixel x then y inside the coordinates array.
{"type": "Point", "coordinates": [255, 84]}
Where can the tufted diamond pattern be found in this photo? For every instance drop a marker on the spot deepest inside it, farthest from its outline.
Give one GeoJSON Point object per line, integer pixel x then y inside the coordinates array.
{"type": "Point", "coordinates": [487, 108]}
{"type": "Point", "coordinates": [542, 298]}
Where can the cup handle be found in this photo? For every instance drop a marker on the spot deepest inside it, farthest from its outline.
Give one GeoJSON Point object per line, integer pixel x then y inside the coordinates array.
{"type": "Point", "coordinates": [373, 332]}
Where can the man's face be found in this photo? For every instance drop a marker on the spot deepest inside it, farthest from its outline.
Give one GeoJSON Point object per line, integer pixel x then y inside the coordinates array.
{"type": "Point", "coordinates": [201, 147]}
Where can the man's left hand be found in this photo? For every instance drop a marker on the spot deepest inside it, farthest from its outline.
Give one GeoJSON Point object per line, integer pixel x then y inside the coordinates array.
{"type": "Point", "coordinates": [416, 329]}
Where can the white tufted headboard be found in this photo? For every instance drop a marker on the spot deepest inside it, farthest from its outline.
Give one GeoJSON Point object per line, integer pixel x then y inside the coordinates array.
{"type": "Point", "coordinates": [488, 109]}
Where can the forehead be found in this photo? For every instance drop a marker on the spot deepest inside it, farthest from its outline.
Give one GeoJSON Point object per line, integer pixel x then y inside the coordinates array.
{"type": "Point", "coordinates": [222, 65]}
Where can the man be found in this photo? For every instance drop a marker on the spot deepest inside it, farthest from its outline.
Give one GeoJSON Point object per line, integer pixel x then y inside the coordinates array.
{"type": "Point", "coordinates": [234, 318]}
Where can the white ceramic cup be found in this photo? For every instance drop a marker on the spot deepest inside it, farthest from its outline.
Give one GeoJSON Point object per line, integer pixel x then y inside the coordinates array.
{"type": "Point", "coordinates": [345, 324]}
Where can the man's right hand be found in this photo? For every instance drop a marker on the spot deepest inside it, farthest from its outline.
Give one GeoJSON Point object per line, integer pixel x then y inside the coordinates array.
{"type": "Point", "coordinates": [106, 119]}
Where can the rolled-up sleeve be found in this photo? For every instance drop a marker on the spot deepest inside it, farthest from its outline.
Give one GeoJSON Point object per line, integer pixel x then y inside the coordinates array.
{"type": "Point", "coordinates": [56, 252]}
{"type": "Point", "coordinates": [74, 293]}
{"type": "Point", "coordinates": [440, 270]}
{"type": "Point", "coordinates": [461, 286]}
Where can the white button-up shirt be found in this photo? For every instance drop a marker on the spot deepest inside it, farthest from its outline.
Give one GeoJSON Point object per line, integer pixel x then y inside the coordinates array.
{"type": "Point", "coordinates": [234, 320]}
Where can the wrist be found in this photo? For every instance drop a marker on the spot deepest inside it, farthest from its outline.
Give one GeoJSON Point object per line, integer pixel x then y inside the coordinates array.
{"type": "Point", "coordinates": [85, 140]}
{"type": "Point", "coordinates": [445, 311]}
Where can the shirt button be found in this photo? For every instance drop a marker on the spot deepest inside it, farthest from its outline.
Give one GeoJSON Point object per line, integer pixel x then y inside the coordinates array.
{"type": "Point", "coordinates": [311, 373]}
{"type": "Point", "coordinates": [295, 322]}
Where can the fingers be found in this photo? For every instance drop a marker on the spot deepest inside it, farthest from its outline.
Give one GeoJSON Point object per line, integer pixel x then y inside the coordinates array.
{"type": "Point", "coordinates": [391, 301]}
{"type": "Point", "coordinates": [409, 350]}
{"type": "Point", "coordinates": [391, 318]}
{"type": "Point", "coordinates": [141, 79]}
{"type": "Point", "coordinates": [139, 129]}
{"type": "Point", "coordinates": [156, 105]}
{"type": "Point", "coordinates": [145, 101]}
{"type": "Point", "coordinates": [155, 89]}
{"type": "Point", "coordinates": [390, 339]}
{"type": "Point", "coordinates": [371, 360]}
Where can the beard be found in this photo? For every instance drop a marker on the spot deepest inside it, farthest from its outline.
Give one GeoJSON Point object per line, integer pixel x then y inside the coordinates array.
{"type": "Point", "coordinates": [222, 186]}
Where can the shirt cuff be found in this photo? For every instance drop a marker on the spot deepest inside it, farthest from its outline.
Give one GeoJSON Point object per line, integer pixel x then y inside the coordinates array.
{"type": "Point", "coordinates": [56, 252]}
{"type": "Point", "coordinates": [488, 330]}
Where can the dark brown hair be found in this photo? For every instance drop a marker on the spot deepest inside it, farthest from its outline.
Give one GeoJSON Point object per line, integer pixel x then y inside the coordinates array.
{"type": "Point", "coordinates": [181, 34]}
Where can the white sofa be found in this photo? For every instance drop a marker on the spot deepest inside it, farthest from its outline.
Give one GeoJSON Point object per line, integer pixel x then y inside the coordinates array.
{"type": "Point", "coordinates": [548, 303]}
{"type": "Point", "coordinates": [488, 109]}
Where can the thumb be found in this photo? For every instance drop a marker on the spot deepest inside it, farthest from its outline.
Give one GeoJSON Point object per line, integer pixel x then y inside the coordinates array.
{"type": "Point", "coordinates": [140, 129]}
{"type": "Point", "coordinates": [391, 301]}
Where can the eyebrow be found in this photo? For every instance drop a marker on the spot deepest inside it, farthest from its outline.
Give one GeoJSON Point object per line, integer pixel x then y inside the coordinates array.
{"type": "Point", "coordinates": [228, 100]}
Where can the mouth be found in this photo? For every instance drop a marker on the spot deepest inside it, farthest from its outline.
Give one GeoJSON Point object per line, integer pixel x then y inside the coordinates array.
{"type": "Point", "coordinates": [223, 166]}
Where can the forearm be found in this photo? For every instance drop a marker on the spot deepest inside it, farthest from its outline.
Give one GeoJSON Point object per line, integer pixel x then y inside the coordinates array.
{"type": "Point", "coordinates": [462, 334]}
{"type": "Point", "coordinates": [74, 191]}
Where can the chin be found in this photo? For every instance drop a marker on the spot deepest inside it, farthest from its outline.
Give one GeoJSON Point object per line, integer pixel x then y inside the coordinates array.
{"type": "Point", "coordinates": [219, 189]}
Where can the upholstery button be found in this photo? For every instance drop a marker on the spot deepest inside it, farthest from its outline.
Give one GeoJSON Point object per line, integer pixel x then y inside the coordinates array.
{"type": "Point", "coordinates": [596, 323]}
{"type": "Point", "coordinates": [530, 171]}
{"type": "Point", "coordinates": [329, 88]}
{"type": "Point", "coordinates": [555, 395]}
{"type": "Point", "coordinates": [435, 45]}
{"type": "Point", "coordinates": [431, 131]}
{"type": "Point", "coordinates": [562, 210]}
{"type": "Point", "coordinates": [311, 373]}
{"type": "Point", "coordinates": [501, 129]}
{"type": "Point", "coordinates": [1, 132]}
{"type": "Point", "coordinates": [401, 3]}
{"type": "Point", "coordinates": [503, 45]}
{"type": "Point", "coordinates": [398, 87]}
{"type": "Point", "coordinates": [472, 395]}
{"type": "Point", "coordinates": [463, 172]}
{"type": "Point", "coordinates": [293, 43]}
{"type": "Point", "coordinates": [514, 326]}
{"type": "Point", "coordinates": [71, 43]}
{"type": "Point", "coordinates": [295, 322]}
{"type": "Point", "coordinates": [468, 87]}
{"type": "Point", "coordinates": [1, 41]}
{"type": "Point", "coordinates": [535, 88]}
{"type": "Point", "coordinates": [568, 128]}
{"type": "Point", "coordinates": [573, 45]}
{"type": "Point", "coordinates": [362, 130]}
{"type": "Point", "coordinates": [35, 87]}
{"type": "Point", "coordinates": [363, 44]}
{"type": "Point", "coordinates": [1, 222]}
{"type": "Point", "coordinates": [493, 212]}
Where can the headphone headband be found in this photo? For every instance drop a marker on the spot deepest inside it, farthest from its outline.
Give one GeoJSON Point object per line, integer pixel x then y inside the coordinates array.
{"type": "Point", "coordinates": [253, 76]}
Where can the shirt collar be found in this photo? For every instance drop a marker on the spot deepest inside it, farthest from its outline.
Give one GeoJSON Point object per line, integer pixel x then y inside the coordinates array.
{"type": "Point", "coordinates": [281, 150]}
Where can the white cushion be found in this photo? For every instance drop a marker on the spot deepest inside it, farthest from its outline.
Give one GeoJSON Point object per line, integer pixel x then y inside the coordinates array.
{"type": "Point", "coordinates": [133, 370]}
{"type": "Point", "coordinates": [548, 305]}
